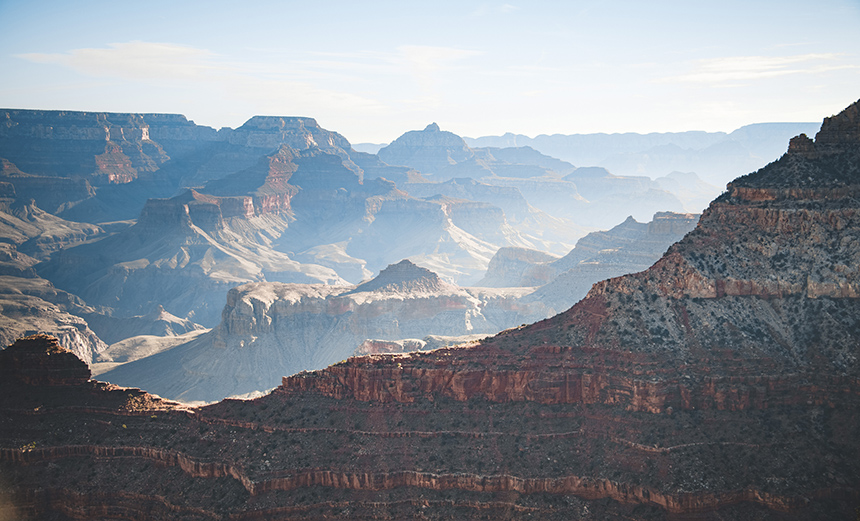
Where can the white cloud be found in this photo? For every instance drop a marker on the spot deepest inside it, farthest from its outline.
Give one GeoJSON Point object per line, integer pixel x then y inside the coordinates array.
{"type": "Point", "coordinates": [132, 60]}
{"type": "Point", "coordinates": [745, 68]}
{"type": "Point", "coordinates": [486, 9]}
{"type": "Point", "coordinates": [263, 87]}
{"type": "Point", "coordinates": [429, 59]}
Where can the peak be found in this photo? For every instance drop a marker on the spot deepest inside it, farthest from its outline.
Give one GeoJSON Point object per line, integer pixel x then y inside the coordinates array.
{"type": "Point", "coordinates": [432, 127]}
{"type": "Point", "coordinates": [802, 145]}
{"type": "Point", "coordinates": [828, 163]}
{"type": "Point", "coordinates": [840, 132]}
{"type": "Point", "coordinates": [403, 277]}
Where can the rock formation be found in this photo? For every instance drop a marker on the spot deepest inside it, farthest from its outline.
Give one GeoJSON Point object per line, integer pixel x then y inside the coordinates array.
{"type": "Point", "coordinates": [40, 360]}
{"type": "Point", "coordinates": [28, 303]}
{"type": "Point", "coordinates": [183, 254]}
{"type": "Point", "coordinates": [269, 330]}
{"type": "Point", "coordinates": [627, 248]}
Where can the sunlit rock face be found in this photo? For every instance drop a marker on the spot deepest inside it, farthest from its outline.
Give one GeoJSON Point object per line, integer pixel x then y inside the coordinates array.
{"type": "Point", "coordinates": [269, 330]}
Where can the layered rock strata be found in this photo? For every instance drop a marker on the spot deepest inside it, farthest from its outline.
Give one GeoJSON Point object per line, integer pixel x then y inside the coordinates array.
{"type": "Point", "coordinates": [269, 330]}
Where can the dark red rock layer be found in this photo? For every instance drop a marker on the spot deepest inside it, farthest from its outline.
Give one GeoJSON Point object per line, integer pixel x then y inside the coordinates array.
{"type": "Point", "coordinates": [41, 360]}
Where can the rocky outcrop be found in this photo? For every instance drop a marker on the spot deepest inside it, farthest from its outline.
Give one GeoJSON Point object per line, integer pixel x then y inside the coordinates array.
{"type": "Point", "coordinates": [40, 360]}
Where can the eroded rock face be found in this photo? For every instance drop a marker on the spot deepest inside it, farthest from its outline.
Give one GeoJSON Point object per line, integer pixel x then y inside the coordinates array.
{"type": "Point", "coordinates": [627, 248]}
{"type": "Point", "coordinates": [32, 305]}
{"type": "Point", "coordinates": [103, 148]}
{"type": "Point", "coordinates": [268, 330]}
{"type": "Point", "coordinates": [40, 360]}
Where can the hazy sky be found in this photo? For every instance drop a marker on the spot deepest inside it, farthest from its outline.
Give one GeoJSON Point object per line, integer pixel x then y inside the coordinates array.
{"type": "Point", "coordinates": [373, 70]}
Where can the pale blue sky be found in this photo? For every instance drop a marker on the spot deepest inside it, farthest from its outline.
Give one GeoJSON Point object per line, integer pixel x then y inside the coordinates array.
{"type": "Point", "coordinates": [373, 70]}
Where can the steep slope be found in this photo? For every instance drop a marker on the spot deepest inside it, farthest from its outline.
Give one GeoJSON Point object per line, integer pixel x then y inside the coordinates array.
{"type": "Point", "coordinates": [270, 329]}
{"type": "Point", "coordinates": [30, 305]}
{"type": "Point", "coordinates": [183, 254]}
{"type": "Point", "coordinates": [627, 248]}
{"type": "Point", "coordinates": [37, 233]}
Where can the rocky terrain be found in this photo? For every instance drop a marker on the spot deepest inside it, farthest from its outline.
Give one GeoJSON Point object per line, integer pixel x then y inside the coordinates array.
{"type": "Point", "coordinates": [721, 383]}
{"type": "Point", "coordinates": [629, 247]}
{"type": "Point", "coordinates": [269, 330]}
{"type": "Point", "coordinates": [28, 303]}
{"type": "Point", "coordinates": [132, 213]}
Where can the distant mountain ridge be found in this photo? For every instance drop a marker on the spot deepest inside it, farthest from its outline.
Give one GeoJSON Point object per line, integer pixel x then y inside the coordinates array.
{"type": "Point", "coordinates": [717, 157]}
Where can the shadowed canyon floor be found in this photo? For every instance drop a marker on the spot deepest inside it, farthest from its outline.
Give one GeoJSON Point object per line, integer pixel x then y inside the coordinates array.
{"type": "Point", "coordinates": [721, 383]}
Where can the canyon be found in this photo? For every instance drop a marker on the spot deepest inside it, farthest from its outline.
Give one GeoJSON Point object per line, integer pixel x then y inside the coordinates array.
{"type": "Point", "coordinates": [126, 216]}
{"type": "Point", "coordinates": [721, 382]}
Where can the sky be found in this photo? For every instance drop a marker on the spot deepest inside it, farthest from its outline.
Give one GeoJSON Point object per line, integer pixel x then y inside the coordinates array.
{"type": "Point", "coordinates": [374, 70]}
